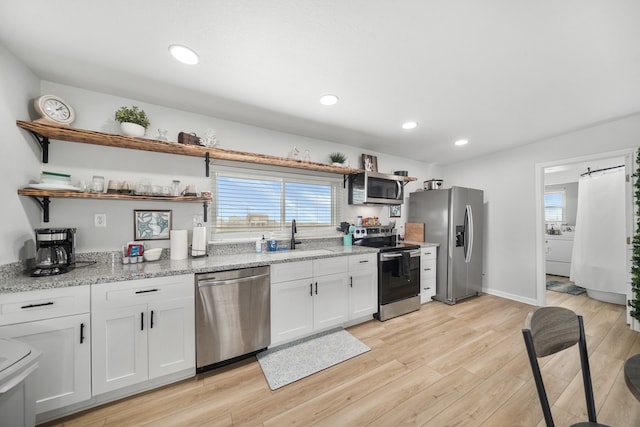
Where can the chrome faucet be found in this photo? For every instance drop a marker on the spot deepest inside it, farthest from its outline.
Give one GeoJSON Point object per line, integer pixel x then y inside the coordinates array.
{"type": "Point", "coordinates": [294, 230]}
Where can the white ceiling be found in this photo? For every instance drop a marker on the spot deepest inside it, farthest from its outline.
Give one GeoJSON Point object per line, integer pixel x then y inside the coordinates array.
{"type": "Point", "coordinates": [499, 73]}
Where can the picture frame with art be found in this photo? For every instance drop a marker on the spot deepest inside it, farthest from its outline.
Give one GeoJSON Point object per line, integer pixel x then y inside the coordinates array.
{"type": "Point", "coordinates": [369, 163]}
{"type": "Point", "coordinates": [151, 224]}
{"type": "Point", "coordinates": [394, 211]}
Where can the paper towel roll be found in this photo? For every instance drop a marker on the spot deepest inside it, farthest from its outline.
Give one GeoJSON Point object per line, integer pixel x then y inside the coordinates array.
{"type": "Point", "coordinates": [179, 245]}
{"type": "Point", "coordinates": [199, 241]}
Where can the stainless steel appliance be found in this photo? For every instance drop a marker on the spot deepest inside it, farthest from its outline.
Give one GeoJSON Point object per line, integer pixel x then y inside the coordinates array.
{"type": "Point", "coordinates": [233, 316]}
{"type": "Point", "coordinates": [398, 271]}
{"type": "Point", "coordinates": [55, 251]}
{"type": "Point", "coordinates": [375, 188]}
{"type": "Point", "coordinates": [452, 218]}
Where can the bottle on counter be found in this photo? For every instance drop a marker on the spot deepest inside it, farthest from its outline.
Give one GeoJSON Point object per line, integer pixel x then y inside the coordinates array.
{"type": "Point", "coordinates": [263, 244]}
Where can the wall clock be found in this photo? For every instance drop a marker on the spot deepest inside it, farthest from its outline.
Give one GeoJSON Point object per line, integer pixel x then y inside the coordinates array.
{"type": "Point", "coordinates": [54, 110]}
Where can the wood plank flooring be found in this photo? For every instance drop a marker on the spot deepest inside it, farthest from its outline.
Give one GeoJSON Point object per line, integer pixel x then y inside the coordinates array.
{"type": "Point", "coordinates": [461, 365]}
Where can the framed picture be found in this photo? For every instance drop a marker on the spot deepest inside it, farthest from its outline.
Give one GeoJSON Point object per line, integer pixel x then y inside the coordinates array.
{"type": "Point", "coordinates": [151, 225]}
{"type": "Point", "coordinates": [369, 163]}
{"type": "Point", "coordinates": [394, 211]}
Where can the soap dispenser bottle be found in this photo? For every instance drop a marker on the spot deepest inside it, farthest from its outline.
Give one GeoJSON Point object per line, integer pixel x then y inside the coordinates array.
{"type": "Point", "coordinates": [263, 244]}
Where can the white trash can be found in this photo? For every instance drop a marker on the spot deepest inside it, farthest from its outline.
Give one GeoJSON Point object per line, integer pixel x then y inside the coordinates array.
{"type": "Point", "coordinates": [17, 392]}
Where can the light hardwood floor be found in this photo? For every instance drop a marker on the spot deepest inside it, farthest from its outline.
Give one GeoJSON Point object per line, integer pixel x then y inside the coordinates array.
{"type": "Point", "coordinates": [462, 365]}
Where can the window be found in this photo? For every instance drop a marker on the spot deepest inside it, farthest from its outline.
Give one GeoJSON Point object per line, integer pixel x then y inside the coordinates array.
{"type": "Point", "coordinates": [554, 205]}
{"type": "Point", "coordinates": [258, 203]}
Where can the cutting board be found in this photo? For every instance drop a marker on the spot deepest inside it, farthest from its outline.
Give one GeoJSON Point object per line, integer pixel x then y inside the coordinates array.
{"type": "Point", "coordinates": [414, 231]}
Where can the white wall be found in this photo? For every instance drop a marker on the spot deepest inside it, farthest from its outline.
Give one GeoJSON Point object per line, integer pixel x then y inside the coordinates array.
{"type": "Point", "coordinates": [19, 161]}
{"type": "Point", "coordinates": [94, 111]}
{"type": "Point", "coordinates": [508, 181]}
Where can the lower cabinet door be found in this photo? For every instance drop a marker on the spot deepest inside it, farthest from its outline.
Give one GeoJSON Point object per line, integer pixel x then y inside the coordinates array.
{"type": "Point", "coordinates": [119, 347]}
{"type": "Point", "coordinates": [291, 310]}
{"type": "Point", "coordinates": [363, 293]}
{"type": "Point", "coordinates": [171, 337]}
{"type": "Point", "coordinates": [331, 301]}
{"type": "Point", "coordinates": [63, 376]}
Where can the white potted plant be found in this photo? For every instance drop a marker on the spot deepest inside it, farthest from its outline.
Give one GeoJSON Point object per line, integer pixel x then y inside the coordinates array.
{"type": "Point", "coordinates": [337, 159]}
{"type": "Point", "coordinates": [133, 121]}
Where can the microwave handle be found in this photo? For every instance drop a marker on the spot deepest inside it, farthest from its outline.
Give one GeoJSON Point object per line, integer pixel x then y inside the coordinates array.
{"type": "Point", "coordinates": [399, 192]}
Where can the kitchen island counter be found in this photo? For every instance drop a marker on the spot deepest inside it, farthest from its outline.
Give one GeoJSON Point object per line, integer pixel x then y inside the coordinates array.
{"type": "Point", "coordinates": [101, 272]}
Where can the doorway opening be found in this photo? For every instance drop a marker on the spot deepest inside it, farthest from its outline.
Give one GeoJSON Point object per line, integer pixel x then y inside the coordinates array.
{"type": "Point", "coordinates": [556, 213]}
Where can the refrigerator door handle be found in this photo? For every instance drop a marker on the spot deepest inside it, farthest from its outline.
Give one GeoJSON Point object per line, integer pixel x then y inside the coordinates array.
{"type": "Point", "coordinates": [469, 226]}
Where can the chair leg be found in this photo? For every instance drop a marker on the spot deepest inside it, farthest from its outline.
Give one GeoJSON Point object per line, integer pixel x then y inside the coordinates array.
{"type": "Point", "coordinates": [586, 374]}
{"type": "Point", "coordinates": [537, 376]}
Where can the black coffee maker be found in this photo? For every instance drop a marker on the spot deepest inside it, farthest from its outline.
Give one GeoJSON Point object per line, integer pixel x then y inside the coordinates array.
{"type": "Point", "coordinates": [55, 251]}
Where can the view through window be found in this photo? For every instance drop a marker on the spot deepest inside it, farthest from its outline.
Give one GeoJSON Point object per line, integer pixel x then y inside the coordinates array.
{"type": "Point", "coordinates": [554, 206]}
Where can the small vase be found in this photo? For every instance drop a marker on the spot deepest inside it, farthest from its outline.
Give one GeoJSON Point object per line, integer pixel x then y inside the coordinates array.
{"type": "Point", "coordinates": [132, 129]}
{"type": "Point", "coordinates": [337, 164]}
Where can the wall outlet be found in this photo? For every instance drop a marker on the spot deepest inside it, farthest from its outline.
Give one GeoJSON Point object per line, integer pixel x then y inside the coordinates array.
{"type": "Point", "coordinates": [100, 220]}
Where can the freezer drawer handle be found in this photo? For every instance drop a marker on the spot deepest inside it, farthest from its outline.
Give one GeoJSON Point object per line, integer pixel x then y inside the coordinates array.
{"type": "Point", "coordinates": [146, 291]}
{"type": "Point", "coordinates": [37, 305]}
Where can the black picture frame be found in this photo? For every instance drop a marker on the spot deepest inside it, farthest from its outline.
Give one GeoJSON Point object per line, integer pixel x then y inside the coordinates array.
{"type": "Point", "coordinates": [395, 211]}
{"type": "Point", "coordinates": [369, 163]}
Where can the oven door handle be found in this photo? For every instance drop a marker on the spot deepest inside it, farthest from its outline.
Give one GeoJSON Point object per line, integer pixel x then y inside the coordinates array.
{"type": "Point", "coordinates": [413, 253]}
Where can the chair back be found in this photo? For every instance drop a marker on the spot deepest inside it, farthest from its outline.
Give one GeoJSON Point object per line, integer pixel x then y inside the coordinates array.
{"type": "Point", "coordinates": [549, 330]}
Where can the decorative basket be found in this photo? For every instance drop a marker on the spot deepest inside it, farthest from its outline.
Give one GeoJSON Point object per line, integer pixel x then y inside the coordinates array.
{"type": "Point", "coordinates": [188, 138]}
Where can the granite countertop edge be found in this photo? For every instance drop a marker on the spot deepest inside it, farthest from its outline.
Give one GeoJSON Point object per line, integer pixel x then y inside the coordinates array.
{"type": "Point", "coordinates": [107, 272]}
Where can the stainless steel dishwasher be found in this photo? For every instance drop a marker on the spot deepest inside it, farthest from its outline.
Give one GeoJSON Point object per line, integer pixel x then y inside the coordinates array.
{"type": "Point", "coordinates": [233, 315]}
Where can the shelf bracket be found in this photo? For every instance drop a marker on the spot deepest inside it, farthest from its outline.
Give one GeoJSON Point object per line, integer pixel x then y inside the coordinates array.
{"type": "Point", "coordinates": [345, 177]}
{"type": "Point", "coordinates": [44, 144]}
{"type": "Point", "coordinates": [44, 205]}
{"type": "Point", "coordinates": [207, 161]}
{"type": "Point", "coordinates": [205, 206]}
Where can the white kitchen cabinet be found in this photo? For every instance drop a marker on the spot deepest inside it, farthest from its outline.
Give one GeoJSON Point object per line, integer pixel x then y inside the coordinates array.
{"type": "Point", "coordinates": [142, 329]}
{"type": "Point", "coordinates": [363, 285]}
{"type": "Point", "coordinates": [307, 296]}
{"type": "Point", "coordinates": [56, 322]}
{"type": "Point", "coordinates": [559, 250]}
{"type": "Point", "coordinates": [428, 261]}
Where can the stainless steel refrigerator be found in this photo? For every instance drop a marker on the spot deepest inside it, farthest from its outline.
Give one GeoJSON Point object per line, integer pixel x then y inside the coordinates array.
{"type": "Point", "coordinates": [452, 217]}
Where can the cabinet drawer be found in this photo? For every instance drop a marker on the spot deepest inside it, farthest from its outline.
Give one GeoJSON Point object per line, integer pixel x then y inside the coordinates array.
{"type": "Point", "coordinates": [291, 271]}
{"type": "Point", "coordinates": [133, 292]}
{"type": "Point", "coordinates": [362, 262]}
{"type": "Point", "coordinates": [427, 268]}
{"type": "Point", "coordinates": [324, 266]}
{"type": "Point", "coordinates": [428, 253]}
{"type": "Point", "coordinates": [44, 304]}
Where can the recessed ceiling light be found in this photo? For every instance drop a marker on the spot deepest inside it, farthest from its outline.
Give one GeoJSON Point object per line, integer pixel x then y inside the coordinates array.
{"type": "Point", "coordinates": [462, 142]}
{"type": "Point", "coordinates": [409, 125]}
{"type": "Point", "coordinates": [183, 54]}
{"type": "Point", "coordinates": [328, 99]}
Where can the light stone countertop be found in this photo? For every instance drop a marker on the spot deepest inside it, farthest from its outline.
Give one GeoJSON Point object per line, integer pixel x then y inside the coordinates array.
{"type": "Point", "coordinates": [102, 272]}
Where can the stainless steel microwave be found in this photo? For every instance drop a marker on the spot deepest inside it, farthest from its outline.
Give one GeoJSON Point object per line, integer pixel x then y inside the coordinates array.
{"type": "Point", "coordinates": [375, 188]}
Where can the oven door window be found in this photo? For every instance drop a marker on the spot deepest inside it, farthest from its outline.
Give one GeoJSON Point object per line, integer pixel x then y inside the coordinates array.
{"type": "Point", "coordinates": [395, 282]}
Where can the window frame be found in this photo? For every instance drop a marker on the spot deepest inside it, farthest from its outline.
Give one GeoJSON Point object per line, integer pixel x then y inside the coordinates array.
{"type": "Point", "coordinates": [563, 208]}
{"type": "Point", "coordinates": [337, 204]}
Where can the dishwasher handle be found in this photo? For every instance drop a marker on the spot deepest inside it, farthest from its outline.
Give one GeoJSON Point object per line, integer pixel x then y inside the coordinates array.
{"type": "Point", "coordinates": [216, 282]}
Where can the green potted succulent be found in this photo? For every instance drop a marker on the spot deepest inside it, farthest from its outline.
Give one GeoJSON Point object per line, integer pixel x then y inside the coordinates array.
{"type": "Point", "coordinates": [337, 159]}
{"type": "Point", "coordinates": [133, 121]}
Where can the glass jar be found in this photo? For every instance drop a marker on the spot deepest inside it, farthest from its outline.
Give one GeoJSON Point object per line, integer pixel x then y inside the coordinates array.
{"type": "Point", "coordinates": [97, 184]}
{"type": "Point", "coordinates": [175, 187]}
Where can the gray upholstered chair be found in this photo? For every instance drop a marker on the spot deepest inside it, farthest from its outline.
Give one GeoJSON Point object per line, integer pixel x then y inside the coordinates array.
{"type": "Point", "coordinates": [547, 331]}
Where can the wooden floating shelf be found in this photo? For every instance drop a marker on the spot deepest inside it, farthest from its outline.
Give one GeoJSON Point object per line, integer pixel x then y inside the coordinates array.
{"type": "Point", "coordinates": [42, 197]}
{"type": "Point", "coordinates": [143, 144]}
{"type": "Point", "coordinates": [110, 196]}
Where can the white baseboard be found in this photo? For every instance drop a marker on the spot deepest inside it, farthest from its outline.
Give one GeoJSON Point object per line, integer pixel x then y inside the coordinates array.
{"type": "Point", "coordinates": [501, 294]}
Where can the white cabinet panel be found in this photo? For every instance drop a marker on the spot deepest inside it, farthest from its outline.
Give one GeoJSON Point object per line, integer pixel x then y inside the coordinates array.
{"type": "Point", "coordinates": [291, 310]}
{"type": "Point", "coordinates": [119, 348]}
{"type": "Point", "coordinates": [330, 300]}
{"type": "Point", "coordinates": [64, 374]}
{"type": "Point", "coordinates": [171, 337]}
{"type": "Point", "coordinates": [363, 285]}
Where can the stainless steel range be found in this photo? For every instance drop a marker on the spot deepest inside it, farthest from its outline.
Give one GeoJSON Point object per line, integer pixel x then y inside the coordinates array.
{"type": "Point", "coordinates": [398, 270]}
